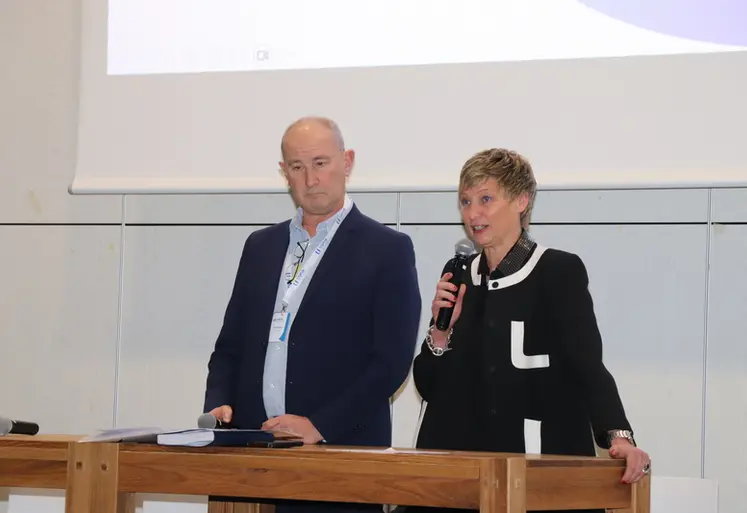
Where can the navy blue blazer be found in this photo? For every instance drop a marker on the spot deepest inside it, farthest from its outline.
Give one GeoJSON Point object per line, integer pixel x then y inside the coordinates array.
{"type": "Point", "coordinates": [351, 344]}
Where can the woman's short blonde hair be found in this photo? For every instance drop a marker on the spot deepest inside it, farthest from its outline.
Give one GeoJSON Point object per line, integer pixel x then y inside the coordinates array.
{"type": "Point", "coordinates": [509, 169]}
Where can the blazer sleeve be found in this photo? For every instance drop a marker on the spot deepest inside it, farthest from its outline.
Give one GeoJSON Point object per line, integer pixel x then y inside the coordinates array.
{"type": "Point", "coordinates": [396, 316]}
{"type": "Point", "coordinates": [581, 345]}
{"type": "Point", "coordinates": [428, 370]}
{"type": "Point", "coordinates": [224, 361]}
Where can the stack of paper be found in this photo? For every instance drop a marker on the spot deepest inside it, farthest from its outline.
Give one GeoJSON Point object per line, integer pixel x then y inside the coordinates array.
{"type": "Point", "coordinates": [190, 437]}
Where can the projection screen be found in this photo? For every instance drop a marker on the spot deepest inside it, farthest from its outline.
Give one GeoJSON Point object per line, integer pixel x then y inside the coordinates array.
{"type": "Point", "coordinates": [180, 96]}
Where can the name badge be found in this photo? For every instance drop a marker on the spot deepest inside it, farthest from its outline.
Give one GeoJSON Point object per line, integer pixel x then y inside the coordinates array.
{"type": "Point", "coordinates": [279, 327]}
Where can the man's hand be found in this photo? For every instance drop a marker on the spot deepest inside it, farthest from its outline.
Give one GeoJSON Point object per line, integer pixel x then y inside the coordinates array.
{"type": "Point", "coordinates": [222, 413]}
{"type": "Point", "coordinates": [299, 426]}
{"type": "Point", "coordinates": [638, 461]}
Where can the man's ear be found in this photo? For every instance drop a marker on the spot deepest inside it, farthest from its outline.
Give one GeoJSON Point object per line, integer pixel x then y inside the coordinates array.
{"type": "Point", "coordinates": [349, 157]}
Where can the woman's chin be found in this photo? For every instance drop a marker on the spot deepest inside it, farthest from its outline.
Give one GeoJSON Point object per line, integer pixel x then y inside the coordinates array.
{"type": "Point", "coordinates": [480, 238]}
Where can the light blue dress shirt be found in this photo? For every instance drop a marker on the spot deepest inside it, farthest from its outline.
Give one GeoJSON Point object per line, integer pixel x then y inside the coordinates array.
{"type": "Point", "coordinates": [276, 358]}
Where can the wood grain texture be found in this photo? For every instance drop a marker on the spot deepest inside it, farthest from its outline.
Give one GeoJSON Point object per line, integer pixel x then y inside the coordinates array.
{"type": "Point", "coordinates": [39, 440]}
{"type": "Point", "coordinates": [93, 475]}
{"type": "Point", "coordinates": [407, 477]}
{"type": "Point", "coordinates": [34, 462]}
{"type": "Point", "coordinates": [511, 484]}
{"type": "Point", "coordinates": [555, 488]}
{"type": "Point", "coordinates": [272, 474]}
{"type": "Point", "coordinates": [640, 497]}
{"type": "Point", "coordinates": [489, 494]}
{"type": "Point", "coordinates": [33, 474]}
{"type": "Point", "coordinates": [99, 475]}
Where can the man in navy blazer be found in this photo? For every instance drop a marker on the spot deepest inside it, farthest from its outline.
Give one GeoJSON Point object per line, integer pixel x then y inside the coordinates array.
{"type": "Point", "coordinates": [321, 326]}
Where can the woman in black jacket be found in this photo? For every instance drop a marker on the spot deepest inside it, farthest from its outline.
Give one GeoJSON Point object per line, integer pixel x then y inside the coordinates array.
{"type": "Point", "coordinates": [522, 359]}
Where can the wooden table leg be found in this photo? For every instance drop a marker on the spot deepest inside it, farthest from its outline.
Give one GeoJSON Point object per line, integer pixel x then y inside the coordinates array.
{"type": "Point", "coordinates": [640, 497]}
{"type": "Point", "coordinates": [92, 480]}
{"type": "Point", "coordinates": [503, 486]}
{"type": "Point", "coordinates": [512, 484]}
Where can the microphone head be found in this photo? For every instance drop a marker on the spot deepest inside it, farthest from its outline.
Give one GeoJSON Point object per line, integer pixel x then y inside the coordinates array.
{"type": "Point", "coordinates": [464, 247]}
{"type": "Point", "coordinates": [5, 426]}
{"type": "Point", "coordinates": [207, 421]}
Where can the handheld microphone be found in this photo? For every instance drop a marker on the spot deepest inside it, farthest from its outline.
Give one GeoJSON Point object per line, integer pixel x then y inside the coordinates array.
{"type": "Point", "coordinates": [463, 249]}
{"type": "Point", "coordinates": [210, 421]}
{"type": "Point", "coordinates": [17, 427]}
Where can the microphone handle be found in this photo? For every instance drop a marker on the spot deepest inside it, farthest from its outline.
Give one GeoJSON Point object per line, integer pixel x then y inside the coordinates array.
{"type": "Point", "coordinates": [444, 314]}
{"type": "Point", "coordinates": [24, 428]}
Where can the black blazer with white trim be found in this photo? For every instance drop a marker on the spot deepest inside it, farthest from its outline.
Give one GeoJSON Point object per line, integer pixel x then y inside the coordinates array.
{"type": "Point", "coordinates": [527, 346]}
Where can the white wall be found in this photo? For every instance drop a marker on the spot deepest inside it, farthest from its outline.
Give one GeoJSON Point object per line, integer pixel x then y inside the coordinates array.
{"type": "Point", "coordinates": [110, 305]}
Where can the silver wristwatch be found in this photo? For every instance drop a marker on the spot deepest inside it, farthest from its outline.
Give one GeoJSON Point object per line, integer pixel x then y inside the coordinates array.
{"type": "Point", "coordinates": [620, 433]}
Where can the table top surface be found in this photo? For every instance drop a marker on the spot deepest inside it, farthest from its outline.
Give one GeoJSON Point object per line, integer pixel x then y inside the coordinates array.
{"type": "Point", "coordinates": [40, 441]}
{"type": "Point", "coordinates": [382, 454]}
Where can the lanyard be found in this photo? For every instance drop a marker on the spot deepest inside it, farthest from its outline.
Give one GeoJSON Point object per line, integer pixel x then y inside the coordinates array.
{"type": "Point", "coordinates": [313, 260]}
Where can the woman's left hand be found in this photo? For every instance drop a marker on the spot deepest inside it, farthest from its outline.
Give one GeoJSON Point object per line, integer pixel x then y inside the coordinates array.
{"type": "Point", "coordinates": [638, 462]}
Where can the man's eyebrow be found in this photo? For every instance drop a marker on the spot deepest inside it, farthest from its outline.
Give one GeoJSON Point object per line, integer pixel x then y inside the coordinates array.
{"type": "Point", "coordinates": [317, 157]}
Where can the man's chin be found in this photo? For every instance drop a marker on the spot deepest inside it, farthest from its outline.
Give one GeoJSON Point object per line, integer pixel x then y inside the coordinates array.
{"type": "Point", "coordinates": [316, 210]}
{"type": "Point", "coordinates": [316, 203]}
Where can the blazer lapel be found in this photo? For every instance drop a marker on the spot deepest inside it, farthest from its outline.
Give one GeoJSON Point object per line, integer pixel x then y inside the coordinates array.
{"type": "Point", "coordinates": [268, 277]}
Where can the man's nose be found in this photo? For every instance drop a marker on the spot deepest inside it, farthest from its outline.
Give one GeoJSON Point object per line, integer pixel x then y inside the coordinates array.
{"type": "Point", "coordinates": [311, 178]}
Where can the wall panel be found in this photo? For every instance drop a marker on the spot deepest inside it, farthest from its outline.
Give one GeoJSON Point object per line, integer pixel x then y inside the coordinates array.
{"type": "Point", "coordinates": [726, 385]}
{"type": "Point", "coordinates": [58, 318]}
{"type": "Point", "coordinates": [177, 283]}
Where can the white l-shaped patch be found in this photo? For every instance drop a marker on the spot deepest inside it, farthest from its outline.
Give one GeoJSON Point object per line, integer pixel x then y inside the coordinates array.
{"type": "Point", "coordinates": [519, 359]}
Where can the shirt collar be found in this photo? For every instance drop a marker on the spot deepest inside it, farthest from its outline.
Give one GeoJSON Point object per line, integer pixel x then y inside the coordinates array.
{"type": "Point", "coordinates": [297, 229]}
{"type": "Point", "coordinates": [514, 260]}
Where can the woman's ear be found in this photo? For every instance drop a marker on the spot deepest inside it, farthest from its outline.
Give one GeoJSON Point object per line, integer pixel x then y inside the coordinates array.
{"type": "Point", "coordinates": [521, 202]}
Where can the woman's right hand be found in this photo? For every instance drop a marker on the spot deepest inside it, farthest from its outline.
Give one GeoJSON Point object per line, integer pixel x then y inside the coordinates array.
{"type": "Point", "coordinates": [446, 296]}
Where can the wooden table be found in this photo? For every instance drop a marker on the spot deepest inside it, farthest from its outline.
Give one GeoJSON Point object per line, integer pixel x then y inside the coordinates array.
{"type": "Point", "coordinates": [34, 461]}
{"type": "Point", "coordinates": [103, 478]}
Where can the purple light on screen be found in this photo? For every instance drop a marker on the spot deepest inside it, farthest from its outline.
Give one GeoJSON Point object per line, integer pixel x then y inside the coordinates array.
{"type": "Point", "coordinates": [710, 21]}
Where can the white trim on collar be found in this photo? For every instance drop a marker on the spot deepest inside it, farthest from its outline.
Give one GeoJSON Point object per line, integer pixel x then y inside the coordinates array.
{"type": "Point", "coordinates": [512, 279]}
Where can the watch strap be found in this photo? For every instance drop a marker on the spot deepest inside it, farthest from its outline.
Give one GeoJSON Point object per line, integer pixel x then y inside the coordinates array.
{"type": "Point", "coordinates": [621, 433]}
